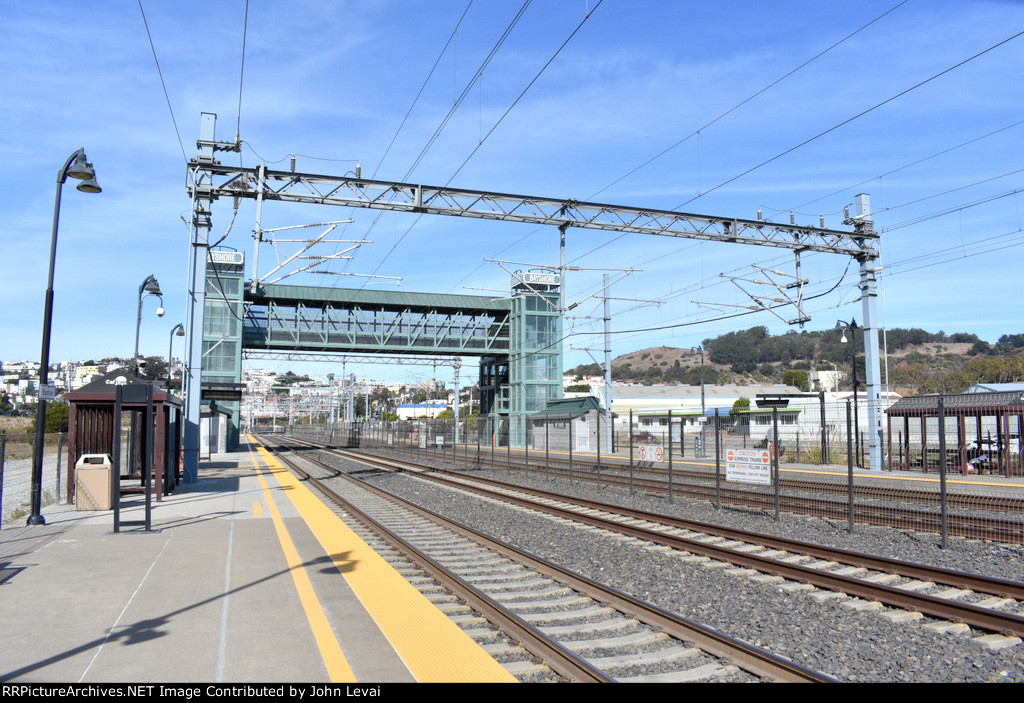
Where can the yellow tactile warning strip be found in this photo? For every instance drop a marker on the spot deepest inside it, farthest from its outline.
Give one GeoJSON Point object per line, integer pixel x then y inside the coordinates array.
{"type": "Point", "coordinates": [338, 669]}
{"type": "Point", "coordinates": [431, 645]}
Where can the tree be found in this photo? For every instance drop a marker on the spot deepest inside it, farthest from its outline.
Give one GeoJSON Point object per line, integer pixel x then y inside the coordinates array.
{"type": "Point", "coordinates": [152, 368]}
{"type": "Point", "coordinates": [56, 418]}
{"type": "Point", "coordinates": [741, 405]}
{"type": "Point", "coordinates": [796, 378]}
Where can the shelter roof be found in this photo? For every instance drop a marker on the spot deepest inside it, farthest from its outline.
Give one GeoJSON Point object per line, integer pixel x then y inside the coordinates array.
{"type": "Point", "coordinates": [567, 408]}
{"type": "Point", "coordinates": [104, 388]}
{"type": "Point", "coordinates": [396, 300]}
{"type": "Point", "coordinates": [960, 403]}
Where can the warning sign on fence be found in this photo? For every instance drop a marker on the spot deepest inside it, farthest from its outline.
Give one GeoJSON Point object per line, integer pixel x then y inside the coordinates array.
{"type": "Point", "coordinates": [651, 452]}
{"type": "Point", "coordinates": [748, 466]}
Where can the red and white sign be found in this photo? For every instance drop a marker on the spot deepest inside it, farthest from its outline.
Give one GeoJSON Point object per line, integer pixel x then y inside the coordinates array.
{"type": "Point", "coordinates": [651, 452]}
{"type": "Point", "coordinates": [748, 466]}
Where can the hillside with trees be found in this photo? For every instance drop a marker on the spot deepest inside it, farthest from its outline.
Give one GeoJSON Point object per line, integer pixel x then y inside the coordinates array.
{"type": "Point", "coordinates": [918, 361]}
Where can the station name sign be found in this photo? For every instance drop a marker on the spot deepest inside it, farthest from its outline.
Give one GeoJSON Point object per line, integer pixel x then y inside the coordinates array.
{"type": "Point", "coordinates": [542, 279]}
{"type": "Point", "coordinates": [226, 257]}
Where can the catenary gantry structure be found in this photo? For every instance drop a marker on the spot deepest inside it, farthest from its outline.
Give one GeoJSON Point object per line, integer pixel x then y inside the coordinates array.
{"type": "Point", "coordinates": [209, 180]}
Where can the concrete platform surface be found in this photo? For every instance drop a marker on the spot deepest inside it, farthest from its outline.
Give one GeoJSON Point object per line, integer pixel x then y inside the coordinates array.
{"type": "Point", "coordinates": [231, 584]}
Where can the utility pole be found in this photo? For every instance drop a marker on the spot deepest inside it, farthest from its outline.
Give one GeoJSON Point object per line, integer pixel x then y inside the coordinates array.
{"type": "Point", "coordinates": [608, 430]}
{"type": "Point", "coordinates": [869, 302]}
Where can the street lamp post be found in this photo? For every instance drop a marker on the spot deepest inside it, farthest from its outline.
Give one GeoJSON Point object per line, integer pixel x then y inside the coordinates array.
{"type": "Point", "coordinates": [852, 326]}
{"type": "Point", "coordinates": [150, 287]}
{"type": "Point", "coordinates": [77, 166]}
{"type": "Point", "coordinates": [177, 331]}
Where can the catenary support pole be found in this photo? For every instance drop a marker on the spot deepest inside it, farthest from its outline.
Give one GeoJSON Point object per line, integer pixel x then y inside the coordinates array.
{"type": "Point", "coordinates": [869, 302]}
{"type": "Point", "coordinates": [196, 303]}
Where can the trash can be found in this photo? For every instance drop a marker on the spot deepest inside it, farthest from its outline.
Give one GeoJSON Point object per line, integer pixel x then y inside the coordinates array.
{"type": "Point", "coordinates": [94, 482]}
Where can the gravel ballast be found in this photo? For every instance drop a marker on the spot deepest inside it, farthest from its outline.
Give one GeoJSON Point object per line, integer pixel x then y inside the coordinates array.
{"type": "Point", "coordinates": [821, 634]}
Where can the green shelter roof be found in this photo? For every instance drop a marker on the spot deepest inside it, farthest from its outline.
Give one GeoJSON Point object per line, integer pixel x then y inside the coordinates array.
{"type": "Point", "coordinates": [398, 300]}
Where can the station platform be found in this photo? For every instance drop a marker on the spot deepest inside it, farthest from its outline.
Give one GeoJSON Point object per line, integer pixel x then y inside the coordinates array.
{"type": "Point", "coordinates": [244, 577]}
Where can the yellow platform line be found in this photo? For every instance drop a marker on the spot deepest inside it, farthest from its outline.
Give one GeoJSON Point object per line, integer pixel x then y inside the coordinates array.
{"type": "Point", "coordinates": [434, 648]}
{"type": "Point", "coordinates": [338, 669]}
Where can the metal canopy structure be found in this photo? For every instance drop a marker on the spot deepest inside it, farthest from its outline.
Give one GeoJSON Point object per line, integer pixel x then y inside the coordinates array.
{"type": "Point", "coordinates": [208, 180]}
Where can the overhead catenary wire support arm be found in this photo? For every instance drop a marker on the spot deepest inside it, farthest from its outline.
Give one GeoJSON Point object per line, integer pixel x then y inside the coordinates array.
{"type": "Point", "coordinates": [208, 177]}
{"type": "Point", "coordinates": [347, 191]}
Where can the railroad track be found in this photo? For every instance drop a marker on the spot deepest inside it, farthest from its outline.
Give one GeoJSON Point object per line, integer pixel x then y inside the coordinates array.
{"type": "Point", "coordinates": [908, 591]}
{"type": "Point", "coordinates": [580, 629]}
{"type": "Point", "coordinates": [991, 518]}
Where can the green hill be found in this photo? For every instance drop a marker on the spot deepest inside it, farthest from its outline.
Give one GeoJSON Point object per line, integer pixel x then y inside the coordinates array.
{"type": "Point", "coordinates": [917, 361]}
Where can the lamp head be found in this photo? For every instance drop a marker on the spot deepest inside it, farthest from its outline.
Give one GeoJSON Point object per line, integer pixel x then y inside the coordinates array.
{"type": "Point", "coordinates": [80, 168]}
{"type": "Point", "coordinates": [160, 311]}
{"type": "Point", "coordinates": [89, 185]}
{"type": "Point", "coordinates": [151, 285]}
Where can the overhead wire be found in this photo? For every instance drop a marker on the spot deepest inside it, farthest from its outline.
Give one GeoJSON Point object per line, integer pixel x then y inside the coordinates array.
{"type": "Point", "coordinates": [458, 101]}
{"type": "Point", "coordinates": [847, 121]}
{"type": "Point", "coordinates": [499, 121]}
{"type": "Point", "coordinates": [743, 102]}
{"type": "Point", "coordinates": [524, 91]}
{"type": "Point", "coordinates": [854, 117]}
{"type": "Point", "coordinates": [704, 127]}
{"type": "Point", "coordinates": [419, 93]}
{"type": "Point", "coordinates": [163, 84]}
{"type": "Point", "coordinates": [906, 166]}
{"type": "Point", "coordinates": [241, 73]}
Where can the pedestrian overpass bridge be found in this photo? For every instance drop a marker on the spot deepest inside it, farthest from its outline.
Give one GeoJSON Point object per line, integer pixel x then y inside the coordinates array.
{"type": "Point", "coordinates": [517, 339]}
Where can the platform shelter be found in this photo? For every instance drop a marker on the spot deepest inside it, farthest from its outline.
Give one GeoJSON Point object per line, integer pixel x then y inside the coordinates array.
{"type": "Point", "coordinates": [91, 427]}
{"type": "Point", "coordinates": [982, 432]}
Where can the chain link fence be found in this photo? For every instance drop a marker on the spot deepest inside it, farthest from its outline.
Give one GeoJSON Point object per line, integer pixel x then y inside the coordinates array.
{"type": "Point", "coordinates": [965, 481]}
{"type": "Point", "coordinates": [16, 472]}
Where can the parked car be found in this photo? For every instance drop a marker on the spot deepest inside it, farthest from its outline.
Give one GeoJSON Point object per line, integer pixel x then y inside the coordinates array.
{"type": "Point", "coordinates": [643, 437]}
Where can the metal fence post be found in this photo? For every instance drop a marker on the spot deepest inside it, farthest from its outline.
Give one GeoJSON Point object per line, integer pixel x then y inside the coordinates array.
{"type": "Point", "coordinates": [3, 452]}
{"type": "Point", "coordinates": [547, 448]}
{"type": "Point", "coordinates": [942, 470]}
{"type": "Point", "coordinates": [849, 466]}
{"type": "Point", "coordinates": [526, 444]}
{"type": "Point", "coordinates": [718, 461]}
{"type": "Point", "coordinates": [60, 445]}
{"type": "Point", "coordinates": [775, 456]}
{"type": "Point", "coordinates": [682, 435]}
{"type": "Point", "coordinates": [631, 450]}
{"type": "Point", "coordinates": [570, 451]}
{"type": "Point", "coordinates": [669, 456]}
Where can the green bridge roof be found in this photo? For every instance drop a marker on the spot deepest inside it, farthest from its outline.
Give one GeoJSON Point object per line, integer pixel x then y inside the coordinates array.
{"type": "Point", "coordinates": [394, 300]}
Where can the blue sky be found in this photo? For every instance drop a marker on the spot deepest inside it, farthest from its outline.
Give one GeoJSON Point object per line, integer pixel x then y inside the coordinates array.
{"type": "Point", "coordinates": [671, 105]}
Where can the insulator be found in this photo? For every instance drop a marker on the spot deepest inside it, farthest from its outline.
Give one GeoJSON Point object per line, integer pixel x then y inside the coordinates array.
{"type": "Point", "coordinates": [293, 163]}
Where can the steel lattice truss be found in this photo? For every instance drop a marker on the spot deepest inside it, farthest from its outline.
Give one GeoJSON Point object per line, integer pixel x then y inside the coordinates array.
{"type": "Point", "coordinates": [334, 358]}
{"type": "Point", "coordinates": [295, 325]}
{"type": "Point", "coordinates": [346, 191]}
